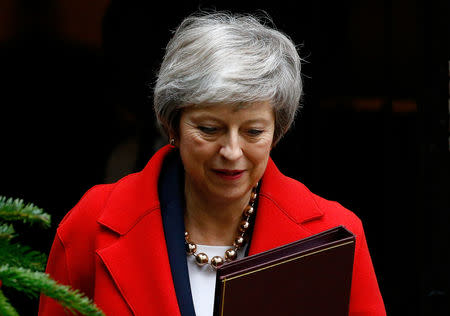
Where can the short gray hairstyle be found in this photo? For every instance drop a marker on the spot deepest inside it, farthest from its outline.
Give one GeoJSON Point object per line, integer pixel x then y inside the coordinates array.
{"type": "Point", "coordinates": [228, 58]}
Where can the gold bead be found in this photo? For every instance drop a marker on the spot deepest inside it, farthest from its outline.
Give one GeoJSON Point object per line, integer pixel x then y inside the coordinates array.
{"type": "Point", "coordinates": [191, 248]}
{"type": "Point", "coordinates": [243, 226]}
{"type": "Point", "coordinates": [216, 261]}
{"type": "Point", "coordinates": [248, 210]}
{"type": "Point", "coordinates": [253, 196]}
{"type": "Point", "coordinates": [239, 241]}
{"type": "Point", "coordinates": [201, 259]}
{"type": "Point", "coordinates": [230, 254]}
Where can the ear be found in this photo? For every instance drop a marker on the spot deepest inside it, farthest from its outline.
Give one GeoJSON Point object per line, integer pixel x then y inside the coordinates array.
{"type": "Point", "coordinates": [173, 139]}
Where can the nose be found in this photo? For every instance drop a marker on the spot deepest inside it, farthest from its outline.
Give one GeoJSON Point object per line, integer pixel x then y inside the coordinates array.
{"type": "Point", "coordinates": [231, 148]}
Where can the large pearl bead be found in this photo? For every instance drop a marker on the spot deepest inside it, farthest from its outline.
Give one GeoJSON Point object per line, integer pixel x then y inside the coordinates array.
{"type": "Point", "coordinates": [191, 248]}
{"type": "Point", "coordinates": [201, 259]}
{"type": "Point", "coordinates": [230, 254]}
{"type": "Point", "coordinates": [248, 210]}
{"type": "Point", "coordinates": [239, 241]}
{"type": "Point", "coordinates": [216, 261]}
{"type": "Point", "coordinates": [243, 226]}
{"type": "Point", "coordinates": [253, 196]}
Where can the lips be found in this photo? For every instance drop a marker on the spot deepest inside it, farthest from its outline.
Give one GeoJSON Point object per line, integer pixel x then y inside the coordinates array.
{"type": "Point", "coordinates": [229, 174]}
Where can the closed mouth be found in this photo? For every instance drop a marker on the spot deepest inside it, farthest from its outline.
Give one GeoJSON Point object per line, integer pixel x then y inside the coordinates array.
{"type": "Point", "coordinates": [228, 172]}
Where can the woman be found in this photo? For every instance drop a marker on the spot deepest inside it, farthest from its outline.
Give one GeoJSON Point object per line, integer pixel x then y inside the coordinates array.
{"type": "Point", "coordinates": [227, 91]}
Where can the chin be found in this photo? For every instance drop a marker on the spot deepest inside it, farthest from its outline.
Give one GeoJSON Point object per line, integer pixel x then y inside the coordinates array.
{"type": "Point", "coordinates": [230, 194]}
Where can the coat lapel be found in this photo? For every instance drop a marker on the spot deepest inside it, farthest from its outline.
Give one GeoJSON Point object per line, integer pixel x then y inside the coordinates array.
{"type": "Point", "coordinates": [137, 259]}
{"type": "Point", "coordinates": [171, 190]}
{"type": "Point", "coordinates": [139, 266]}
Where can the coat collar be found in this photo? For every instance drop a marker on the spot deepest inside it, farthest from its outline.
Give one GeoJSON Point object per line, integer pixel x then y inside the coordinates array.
{"type": "Point", "coordinates": [134, 196]}
{"type": "Point", "coordinates": [284, 206]}
{"type": "Point", "coordinates": [291, 197]}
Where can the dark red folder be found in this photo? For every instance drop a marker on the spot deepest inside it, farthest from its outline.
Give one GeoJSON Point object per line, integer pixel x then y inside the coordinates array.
{"type": "Point", "coordinates": [309, 277]}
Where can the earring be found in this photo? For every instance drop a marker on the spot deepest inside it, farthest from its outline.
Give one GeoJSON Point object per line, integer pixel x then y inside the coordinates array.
{"type": "Point", "coordinates": [172, 141]}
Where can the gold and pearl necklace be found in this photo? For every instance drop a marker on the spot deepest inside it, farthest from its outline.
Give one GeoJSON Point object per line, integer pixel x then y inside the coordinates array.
{"type": "Point", "coordinates": [230, 254]}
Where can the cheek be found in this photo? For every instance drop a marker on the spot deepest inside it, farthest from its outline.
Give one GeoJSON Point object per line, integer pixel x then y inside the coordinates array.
{"type": "Point", "coordinates": [195, 149]}
{"type": "Point", "coordinates": [259, 155]}
{"type": "Point", "coordinates": [189, 140]}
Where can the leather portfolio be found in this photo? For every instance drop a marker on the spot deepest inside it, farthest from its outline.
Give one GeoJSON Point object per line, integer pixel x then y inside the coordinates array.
{"type": "Point", "coordinates": [311, 276]}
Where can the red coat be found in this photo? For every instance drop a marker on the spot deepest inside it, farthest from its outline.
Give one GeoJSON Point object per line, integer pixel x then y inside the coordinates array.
{"type": "Point", "coordinates": [119, 225]}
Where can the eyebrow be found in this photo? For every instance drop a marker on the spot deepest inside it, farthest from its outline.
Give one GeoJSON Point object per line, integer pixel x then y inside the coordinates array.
{"type": "Point", "coordinates": [206, 116]}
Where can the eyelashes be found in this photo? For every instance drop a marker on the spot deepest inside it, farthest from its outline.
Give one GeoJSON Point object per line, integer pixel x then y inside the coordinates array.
{"type": "Point", "coordinates": [210, 130]}
{"type": "Point", "coordinates": [255, 132]}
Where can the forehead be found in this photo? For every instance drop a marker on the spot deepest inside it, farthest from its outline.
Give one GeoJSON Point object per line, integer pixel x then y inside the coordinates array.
{"type": "Point", "coordinates": [256, 109]}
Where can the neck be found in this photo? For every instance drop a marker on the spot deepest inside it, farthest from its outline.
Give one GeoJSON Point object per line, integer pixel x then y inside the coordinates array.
{"type": "Point", "coordinates": [212, 222]}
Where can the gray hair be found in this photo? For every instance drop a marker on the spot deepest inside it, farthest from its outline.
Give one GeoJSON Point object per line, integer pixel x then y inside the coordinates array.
{"type": "Point", "coordinates": [228, 58]}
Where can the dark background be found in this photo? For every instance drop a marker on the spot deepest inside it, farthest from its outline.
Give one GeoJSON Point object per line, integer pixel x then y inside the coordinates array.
{"type": "Point", "coordinates": [75, 110]}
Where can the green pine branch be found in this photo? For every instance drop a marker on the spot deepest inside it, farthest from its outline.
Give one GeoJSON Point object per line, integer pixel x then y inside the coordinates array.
{"type": "Point", "coordinates": [6, 231]}
{"type": "Point", "coordinates": [33, 283]}
{"type": "Point", "coordinates": [6, 308]}
{"type": "Point", "coordinates": [20, 266]}
{"type": "Point", "coordinates": [21, 256]}
{"type": "Point", "coordinates": [16, 210]}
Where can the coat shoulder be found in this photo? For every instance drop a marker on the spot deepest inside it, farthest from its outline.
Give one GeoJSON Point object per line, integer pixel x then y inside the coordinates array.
{"type": "Point", "coordinates": [93, 200]}
{"type": "Point", "coordinates": [308, 209]}
{"type": "Point", "coordinates": [334, 210]}
{"type": "Point", "coordinates": [305, 207]}
{"type": "Point", "coordinates": [334, 214]}
{"type": "Point", "coordinates": [81, 220]}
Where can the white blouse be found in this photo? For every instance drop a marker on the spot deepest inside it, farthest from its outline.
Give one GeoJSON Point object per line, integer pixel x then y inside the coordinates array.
{"type": "Point", "coordinates": [203, 279]}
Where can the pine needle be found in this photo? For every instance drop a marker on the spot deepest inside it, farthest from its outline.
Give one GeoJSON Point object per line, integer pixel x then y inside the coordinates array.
{"type": "Point", "coordinates": [6, 231]}
{"type": "Point", "coordinates": [21, 256]}
{"type": "Point", "coordinates": [6, 308]}
{"type": "Point", "coordinates": [32, 283]}
{"type": "Point", "coordinates": [17, 210]}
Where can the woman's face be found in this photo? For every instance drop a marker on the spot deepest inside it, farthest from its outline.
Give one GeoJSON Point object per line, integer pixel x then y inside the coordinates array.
{"type": "Point", "coordinates": [225, 150]}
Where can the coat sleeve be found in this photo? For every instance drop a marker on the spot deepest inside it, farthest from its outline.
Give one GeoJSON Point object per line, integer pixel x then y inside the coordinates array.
{"type": "Point", "coordinates": [365, 297]}
{"type": "Point", "coordinates": [58, 270]}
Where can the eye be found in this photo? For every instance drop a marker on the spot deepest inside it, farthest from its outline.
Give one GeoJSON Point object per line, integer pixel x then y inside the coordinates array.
{"type": "Point", "coordinates": [255, 132]}
{"type": "Point", "coordinates": [208, 129]}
